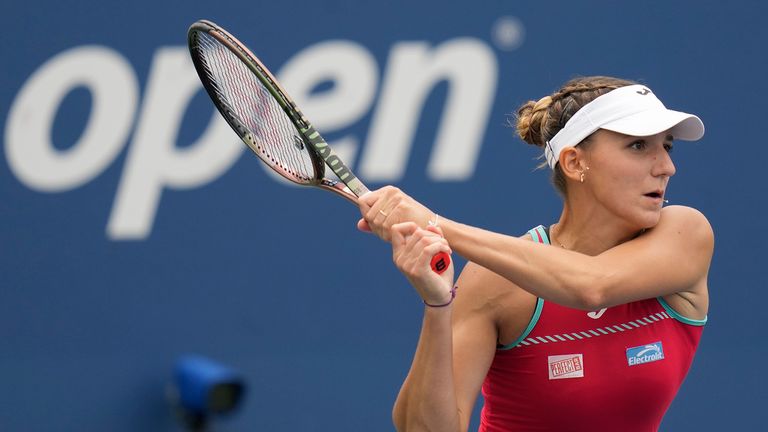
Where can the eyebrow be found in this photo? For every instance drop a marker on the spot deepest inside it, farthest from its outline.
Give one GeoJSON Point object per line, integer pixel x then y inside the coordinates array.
{"type": "Point", "coordinates": [670, 137]}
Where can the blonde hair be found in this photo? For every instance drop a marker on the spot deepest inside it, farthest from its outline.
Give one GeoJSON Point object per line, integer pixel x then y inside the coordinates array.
{"type": "Point", "coordinates": [538, 121]}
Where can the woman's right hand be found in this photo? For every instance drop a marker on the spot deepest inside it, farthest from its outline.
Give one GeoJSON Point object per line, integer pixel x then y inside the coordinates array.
{"type": "Point", "coordinates": [381, 209]}
{"type": "Point", "coordinates": [412, 251]}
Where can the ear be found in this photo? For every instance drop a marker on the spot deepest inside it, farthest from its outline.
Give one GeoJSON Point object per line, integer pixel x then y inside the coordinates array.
{"type": "Point", "coordinates": [572, 163]}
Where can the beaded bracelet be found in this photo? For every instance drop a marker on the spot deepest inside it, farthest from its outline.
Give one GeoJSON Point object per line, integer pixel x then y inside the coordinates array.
{"type": "Point", "coordinates": [453, 296]}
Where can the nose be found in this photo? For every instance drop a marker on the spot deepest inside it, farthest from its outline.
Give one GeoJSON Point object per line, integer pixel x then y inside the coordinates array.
{"type": "Point", "coordinates": [662, 164]}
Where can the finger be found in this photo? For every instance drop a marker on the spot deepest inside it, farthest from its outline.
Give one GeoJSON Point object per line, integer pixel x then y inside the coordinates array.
{"type": "Point", "coordinates": [398, 246]}
{"type": "Point", "coordinates": [435, 229]}
{"type": "Point", "coordinates": [398, 236]}
{"type": "Point", "coordinates": [420, 240]}
{"type": "Point", "coordinates": [428, 233]}
{"type": "Point", "coordinates": [366, 201]}
{"type": "Point", "coordinates": [409, 250]}
{"type": "Point", "coordinates": [363, 226]}
{"type": "Point", "coordinates": [379, 201]}
{"type": "Point", "coordinates": [369, 198]}
{"type": "Point", "coordinates": [376, 212]}
{"type": "Point", "coordinates": [374, 203]}
{"type": "Point", "coordinates": [435, 243]}
{"type": "Point", "coordinates": [434, 248]}
{"type": "Point", "coordinates": [407, 229]}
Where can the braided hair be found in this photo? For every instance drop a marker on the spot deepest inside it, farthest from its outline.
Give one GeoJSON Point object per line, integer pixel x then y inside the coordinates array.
{"type": "Point", "coordinates": [538, 121]}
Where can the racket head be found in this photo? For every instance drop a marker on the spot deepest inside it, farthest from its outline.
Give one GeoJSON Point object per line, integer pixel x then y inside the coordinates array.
{"type": "Point", "coordinates": [265, 118]}
{"type": "Point", "coordinates": [252, 102]}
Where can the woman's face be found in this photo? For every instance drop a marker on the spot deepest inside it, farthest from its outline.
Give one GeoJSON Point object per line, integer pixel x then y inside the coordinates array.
{"type": "Point", "coordinates": [629, 175]}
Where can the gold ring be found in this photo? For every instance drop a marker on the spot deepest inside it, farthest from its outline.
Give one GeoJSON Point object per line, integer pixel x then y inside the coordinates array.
{"type": "Point", "coordinates": [382, 212]}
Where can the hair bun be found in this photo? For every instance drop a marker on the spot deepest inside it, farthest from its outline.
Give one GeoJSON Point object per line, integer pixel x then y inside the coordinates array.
{"type": "Point", "coordinates": [531, 117]}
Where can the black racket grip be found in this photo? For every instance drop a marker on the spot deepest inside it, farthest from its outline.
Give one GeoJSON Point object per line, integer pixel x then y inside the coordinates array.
{"type": "Point", "coordinates": [440, 262]}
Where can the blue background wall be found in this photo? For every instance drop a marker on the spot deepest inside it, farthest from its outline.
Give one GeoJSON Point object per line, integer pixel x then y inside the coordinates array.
{"type": "Point", "coordinates": [231, 267]}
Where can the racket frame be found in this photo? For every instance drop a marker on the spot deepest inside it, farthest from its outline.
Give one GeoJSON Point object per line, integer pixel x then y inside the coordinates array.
{"type": "Point", "coordinates": [321, 154]}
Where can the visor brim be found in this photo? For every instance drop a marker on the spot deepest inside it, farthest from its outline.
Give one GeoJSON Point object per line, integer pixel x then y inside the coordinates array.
{"type": "Point", "coordinates": [681, 125]}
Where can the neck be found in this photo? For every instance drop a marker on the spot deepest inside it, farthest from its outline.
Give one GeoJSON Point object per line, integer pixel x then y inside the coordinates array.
{"type": "Point", "coordinates": [589, 229]}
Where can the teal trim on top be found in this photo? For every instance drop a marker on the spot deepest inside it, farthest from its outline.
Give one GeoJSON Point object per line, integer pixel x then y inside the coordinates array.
{"type": "Point", "coordinates": [541, 233]}
{"type": "Point", "coordinates": [539, 301]}
{"type": "Point", "coordinates": [532, 233]}
{"type": "Point", "coordinates": [529, 329]}
{"type": "Point", "coordinates": [673, 313]}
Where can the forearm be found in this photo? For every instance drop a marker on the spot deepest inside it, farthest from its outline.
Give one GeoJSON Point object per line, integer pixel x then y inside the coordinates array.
{"type": "Point", "coordinates": [427, 400]}
{"type": "Point", "coordinates": [555, 274]}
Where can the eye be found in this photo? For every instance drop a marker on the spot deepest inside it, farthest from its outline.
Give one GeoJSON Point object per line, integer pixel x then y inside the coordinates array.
{"type": "Point", "coordinates": [637, 145]}
{"type": "Point", "coordinates": [669, 147]}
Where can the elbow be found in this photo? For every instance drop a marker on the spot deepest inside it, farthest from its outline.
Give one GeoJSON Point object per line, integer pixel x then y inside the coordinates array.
{"type": "Point", "coordinates": [399, 418]}
{"type": "Point", "coordinates": [592, 297]}
{"type": "Point", "coordinates": [402, 422]}
{"type": "Point", "coordinates": [405, 423]}
{"type": "Point", "coordinates": [414, 422]}
{"type": "Point", "coordinates": [591, 301]}
{"type": "Point", "coordinates": [592, 288]}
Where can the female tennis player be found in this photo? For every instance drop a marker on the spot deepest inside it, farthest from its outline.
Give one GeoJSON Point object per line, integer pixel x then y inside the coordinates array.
{"type": "Point", "coordinates": [590, 323]}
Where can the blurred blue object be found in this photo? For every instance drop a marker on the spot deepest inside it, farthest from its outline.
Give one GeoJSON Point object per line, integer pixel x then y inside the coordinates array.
{"type": "Point", "coordinates": [204, 388]}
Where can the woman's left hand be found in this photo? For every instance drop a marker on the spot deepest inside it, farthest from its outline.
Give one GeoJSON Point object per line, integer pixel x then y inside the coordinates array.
{"type": "Point", "coordinates": [412, 252]}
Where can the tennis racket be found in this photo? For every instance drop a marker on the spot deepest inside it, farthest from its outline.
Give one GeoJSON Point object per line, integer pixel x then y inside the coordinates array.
{"type": "Point", "coordinates": [266, 119]}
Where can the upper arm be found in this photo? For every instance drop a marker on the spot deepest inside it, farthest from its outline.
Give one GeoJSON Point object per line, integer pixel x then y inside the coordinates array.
{"type": "Point", "coordinates": [475, 334]}
{"type": "Point", "coordinates": [672, 257]}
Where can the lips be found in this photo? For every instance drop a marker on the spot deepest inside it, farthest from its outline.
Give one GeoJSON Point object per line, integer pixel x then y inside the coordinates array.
{"type": "Point", "coordinates": [657, 194]}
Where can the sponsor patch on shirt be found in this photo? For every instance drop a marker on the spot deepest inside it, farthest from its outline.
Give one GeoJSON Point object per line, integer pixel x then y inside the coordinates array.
{"type": "Point", "coordinates": [645, 354]}
{"type": "Point", "coordinates": [566, 366]}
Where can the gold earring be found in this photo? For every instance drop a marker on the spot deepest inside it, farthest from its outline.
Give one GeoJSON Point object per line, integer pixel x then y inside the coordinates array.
{"type": "Point", "coordinates": [582, 174]}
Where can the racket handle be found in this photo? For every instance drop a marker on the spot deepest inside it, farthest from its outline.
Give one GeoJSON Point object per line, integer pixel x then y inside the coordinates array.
{"type": "Point", "coordinates": [440, 262]}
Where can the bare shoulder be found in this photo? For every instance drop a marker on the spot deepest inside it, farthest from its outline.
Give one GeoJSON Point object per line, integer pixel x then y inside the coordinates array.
{"type": "Point", "coordinates": [694, 237]}
{"type": "Point", "coordinates": [688, 218]}
{"type": "Point", "coordinates": [687, 223]}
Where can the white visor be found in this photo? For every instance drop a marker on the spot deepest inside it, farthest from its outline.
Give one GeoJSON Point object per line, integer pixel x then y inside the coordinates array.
{"type": "Point", "coordinates": [632, 110]}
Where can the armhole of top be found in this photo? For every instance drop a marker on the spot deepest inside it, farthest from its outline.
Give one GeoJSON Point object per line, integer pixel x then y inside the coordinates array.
{"type": "Point", "coordinates": [674, 314]}
{"type": "Point", "coordinates": [539, 235]}
{"type": "Point", "coordinates": [529, 329]}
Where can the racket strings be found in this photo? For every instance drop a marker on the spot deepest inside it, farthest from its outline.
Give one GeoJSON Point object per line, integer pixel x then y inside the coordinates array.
{"type": "Point", "coordinates": [276, 139]}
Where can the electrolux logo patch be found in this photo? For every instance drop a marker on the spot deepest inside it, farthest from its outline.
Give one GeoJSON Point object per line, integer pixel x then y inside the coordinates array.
{"type": "Point", "coordinates": [645, 354]}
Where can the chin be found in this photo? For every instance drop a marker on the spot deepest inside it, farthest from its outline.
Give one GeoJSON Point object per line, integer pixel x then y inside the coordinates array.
{"type": "Point", "coordinates": [649, 219]}
{"type": "Point", "coordinates": [641, 219]}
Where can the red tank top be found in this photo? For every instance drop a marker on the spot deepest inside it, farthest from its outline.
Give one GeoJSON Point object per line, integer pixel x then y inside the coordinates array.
{"type": "Point", "coordinates": [617, 369]}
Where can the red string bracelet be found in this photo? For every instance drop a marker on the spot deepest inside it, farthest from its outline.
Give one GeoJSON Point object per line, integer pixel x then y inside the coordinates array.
{"type": "Point", "coordinates": [453, 296]}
